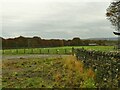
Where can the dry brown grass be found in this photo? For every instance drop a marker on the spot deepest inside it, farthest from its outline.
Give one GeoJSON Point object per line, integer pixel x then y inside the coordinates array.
{"type": "Point", "coordinates": [58, 77]}
{"type": "Point", "coordinates": [90, 73]}
{"type": "Point", "coordinates": [73, 64]}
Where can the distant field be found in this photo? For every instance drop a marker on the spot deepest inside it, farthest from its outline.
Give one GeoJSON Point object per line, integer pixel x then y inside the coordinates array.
{"type": "Point", "coordinates": [55, 50]}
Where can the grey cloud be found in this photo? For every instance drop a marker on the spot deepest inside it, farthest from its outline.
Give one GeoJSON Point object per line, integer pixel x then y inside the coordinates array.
{"type": "Point", "coordinates": [60, 20]}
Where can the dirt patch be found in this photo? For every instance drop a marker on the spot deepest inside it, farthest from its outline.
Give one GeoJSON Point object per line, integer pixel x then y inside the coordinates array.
{"type": "Point", "coordinates": [12, 57]}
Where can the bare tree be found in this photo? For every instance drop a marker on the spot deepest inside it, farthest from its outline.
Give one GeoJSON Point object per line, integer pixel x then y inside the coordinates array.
{"type": "Point", "coordinates": [113, 15]}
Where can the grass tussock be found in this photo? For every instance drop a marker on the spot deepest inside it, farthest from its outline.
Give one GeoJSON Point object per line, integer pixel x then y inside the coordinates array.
{"type": "Point", "coordinates": [76, 70]}
{"type": "Point", "coordinates": [73, 64]}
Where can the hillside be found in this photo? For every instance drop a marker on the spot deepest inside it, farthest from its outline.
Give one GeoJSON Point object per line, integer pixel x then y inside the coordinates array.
{"type": "Point", "coordinates": [110, 39]}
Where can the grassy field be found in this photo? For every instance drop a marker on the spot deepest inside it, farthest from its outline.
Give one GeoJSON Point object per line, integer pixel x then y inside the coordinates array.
{"type": "Point", "coordinates": [52, 72]}
{"type": "Point", "coordinates": [55, 50]}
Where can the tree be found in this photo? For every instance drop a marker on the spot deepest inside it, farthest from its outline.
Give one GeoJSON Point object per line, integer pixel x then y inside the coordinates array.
{"type": "Point", "coordinates": [76, 41]}
{"type": "Point", "coordinates": [113, 13]}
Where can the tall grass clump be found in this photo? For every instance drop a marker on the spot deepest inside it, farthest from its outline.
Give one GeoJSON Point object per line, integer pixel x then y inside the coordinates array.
{"type": "Point", "coordinates": [76, 73]}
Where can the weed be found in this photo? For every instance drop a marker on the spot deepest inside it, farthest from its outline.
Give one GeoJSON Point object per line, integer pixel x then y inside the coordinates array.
{"type": "Point", "coordinates": [41, 73]}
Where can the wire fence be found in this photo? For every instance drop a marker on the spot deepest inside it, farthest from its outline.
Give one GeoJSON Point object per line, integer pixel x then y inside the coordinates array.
{"type": "Point", "coordinates": [37, 51]}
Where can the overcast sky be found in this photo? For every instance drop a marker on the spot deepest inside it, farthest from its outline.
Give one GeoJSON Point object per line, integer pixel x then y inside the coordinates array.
{"type": "Point", "coordinates": [56, 19]}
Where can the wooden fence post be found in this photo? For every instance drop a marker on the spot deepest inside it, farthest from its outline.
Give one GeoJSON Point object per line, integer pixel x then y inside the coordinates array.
{"type": "Point", "coordinates": [40, 51]}
{"type": "Point", "coordinates": [43, 50]}
{"type": "Point", "coordinates": [48, 51]}
{"type": "Point", "coordinates": [16, 51]}
{"type": "Point", "coordinates": [65, 51]}
{"type": "Point", "coordinates": [32, 51]}
{"type": "Point", "coordinates": [24, 50]}
{"type": "Point", "coordinates": [3, 51]}
{"type": "Point", "coordinates": [73, 51]}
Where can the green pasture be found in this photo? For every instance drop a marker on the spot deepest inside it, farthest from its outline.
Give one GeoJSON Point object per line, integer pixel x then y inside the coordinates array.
{"type": "Point", "coordinates": [55, 50]}
{"type": "Point", "coordinates": [38, 51]}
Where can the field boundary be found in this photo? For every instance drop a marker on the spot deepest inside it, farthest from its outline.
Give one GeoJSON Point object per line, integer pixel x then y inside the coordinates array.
{"type": "Point", "coordinates": [105, 64]}
{"type": "Point", "coordinates": [54, 50]}
{"type": "Point", "coordinates": [38, 51]}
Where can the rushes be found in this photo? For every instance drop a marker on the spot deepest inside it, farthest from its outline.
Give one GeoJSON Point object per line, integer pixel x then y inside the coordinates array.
{"type": "Point", "coordinates": [77, 74]}
{"type": "Point", "coordinates": [73, 64]}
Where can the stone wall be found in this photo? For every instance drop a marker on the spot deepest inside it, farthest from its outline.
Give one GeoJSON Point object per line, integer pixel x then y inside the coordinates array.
{"type": "Point", "coordinates": [105, 64]}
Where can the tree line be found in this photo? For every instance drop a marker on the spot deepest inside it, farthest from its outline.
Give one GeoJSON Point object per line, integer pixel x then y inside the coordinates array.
{"type": "Point", "coordinates": [37, 42]}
